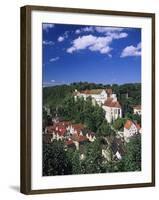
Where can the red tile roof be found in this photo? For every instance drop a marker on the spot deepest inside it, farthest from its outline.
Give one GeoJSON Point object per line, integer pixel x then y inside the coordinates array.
{"type": "Point", "coordinates": [128, 124]}
{"type": "Point", "coordinates": [69, 142]}
{"type": "Point", "coordinates": [109, 91]}
{"type": "Point", "coordinates": [93, 91]}
{"type": "Point", "coordinates": [111, 103]}
{"type": "Point", "coordinates": [78, 126]}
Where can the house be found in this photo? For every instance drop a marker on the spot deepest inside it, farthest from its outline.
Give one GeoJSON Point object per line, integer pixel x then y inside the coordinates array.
{"type": "Point", "coordinates": [137, 109]}
{"type": "Point", "coordinates": [75, 129]}
{"type": "Point", "coordinates": [91, 136]}
{"type": "Point", "coordinates": [112, 109]}
{"type": "Point", "coordinates": [113, 149]}
{"type": "Point", "coordinates": [117, 147]}
{"type": "Point", "coordinates": [130, 129]}
{"type": "Point", "coordinates": [104, 98]}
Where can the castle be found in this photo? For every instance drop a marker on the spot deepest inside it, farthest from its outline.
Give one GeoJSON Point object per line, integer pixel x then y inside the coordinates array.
{"type": "Point", "coordinates": [104, 98]}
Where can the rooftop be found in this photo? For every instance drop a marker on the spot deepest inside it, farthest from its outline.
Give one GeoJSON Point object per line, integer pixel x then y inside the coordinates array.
{"type": "Point", "coordinates": [111, 103]}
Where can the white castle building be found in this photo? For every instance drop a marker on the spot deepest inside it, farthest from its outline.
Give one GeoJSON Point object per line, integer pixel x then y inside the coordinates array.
{"type": "Point", "coordinates": [104, 98]}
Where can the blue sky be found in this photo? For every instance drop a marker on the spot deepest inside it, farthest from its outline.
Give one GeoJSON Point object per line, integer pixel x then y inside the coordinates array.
{"type": "Point", "coordinates": [74, 53]}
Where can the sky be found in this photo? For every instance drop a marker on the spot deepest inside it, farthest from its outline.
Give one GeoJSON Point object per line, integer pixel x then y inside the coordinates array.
{"type": "Point", "coordinates": [96, 54]}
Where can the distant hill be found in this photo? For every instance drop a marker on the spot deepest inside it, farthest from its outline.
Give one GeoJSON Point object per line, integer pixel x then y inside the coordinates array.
{"type": "Point", "coordinates": [129, 93]}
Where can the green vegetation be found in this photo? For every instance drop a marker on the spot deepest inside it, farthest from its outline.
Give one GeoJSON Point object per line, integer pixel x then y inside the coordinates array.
{"type": "Point", "coordinates": [59, 160]}
{"type": "Point", "coordinates": [128, 94]}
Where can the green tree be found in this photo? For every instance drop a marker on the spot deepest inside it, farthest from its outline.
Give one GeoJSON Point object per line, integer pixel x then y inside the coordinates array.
{"type": "Point", "coordinates": [119, 124]}
{"type": "Point", "coordinates": [132, 158]}
{"type": "Point", "coordinates": [105, 130]}
{"type": "Point", "coordinates": [93, 158]}
{"type": "Point", "coordinates": [55, 161]}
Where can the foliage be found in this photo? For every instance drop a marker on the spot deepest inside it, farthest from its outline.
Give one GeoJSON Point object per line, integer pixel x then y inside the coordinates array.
{"type": "Point", "coordinates": [92, 163]}
{"type": "Point", "coordinates": [55, 161]}
{"type": "Point", "coordinates": [105, 130]}
{"type": "Point", "coordinates": [132, 158]}
{"type": "Point", "coordinates": [59, 161]}
{"type": "Point", "coordinates": [134, 117]}
{"type": "Point", "coordinates": [119, 124]}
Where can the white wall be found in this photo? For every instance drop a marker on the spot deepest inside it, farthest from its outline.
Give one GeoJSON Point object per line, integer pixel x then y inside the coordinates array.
{"type": "Point", "coordinates": [9, 99]}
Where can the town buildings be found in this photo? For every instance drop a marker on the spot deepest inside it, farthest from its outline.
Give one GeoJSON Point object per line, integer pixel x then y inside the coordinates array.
{"type": "Point", "coordinates": [71, 134]}
{"type": "Point", "coordinates": [131, 129]}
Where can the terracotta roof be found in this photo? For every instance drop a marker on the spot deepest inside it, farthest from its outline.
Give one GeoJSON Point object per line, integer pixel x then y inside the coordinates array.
{"type": "Point", "coordinates": [69, 142]}
{"type": "Point", "coordinates": [109, 91]}
{"type": "Point", "coordinates": [128, 124]}
{"type": "Point", "coordinates": [79, 138]}
{"type": "Point", "coordinates": [78, 126]}
{"type": "Point", "coordinates": [61, 132]}
{"type": "Point", "coordinates": [93, 91]}
{"type": "Point", "coordinates": [110, 103]}
{"type": "Point", "coordinates": [82, 138]}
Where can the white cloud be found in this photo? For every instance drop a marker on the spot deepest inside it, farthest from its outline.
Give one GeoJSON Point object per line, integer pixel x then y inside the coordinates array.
{"type": "Point", "coordinates": [117, 35]}
{"type": "Point", "coordinates": [47, 26]}
{"type": "Point", "coordinates": [60, 39]}
{"type": "Point", "coordinates": [92, 43]}
{"type": "Point", "coordinates": [101, 29]}
{"type": "Point", "coordinates": [85, 29]}
{"type": "Point", "coordinates": [53, 81]}
{"type": "Point", "coordinates": [97, 43]}
{"type": "Point", "coordinates": [78, 31]}
{"type": "Point", "coordinates": [54, 59]}
{"type": "Point", "coordinates": [131, 51]}
{"type": "Point", "coordinates": [46, 42]}
{"type": "Point", "coordinates": [88, 29]}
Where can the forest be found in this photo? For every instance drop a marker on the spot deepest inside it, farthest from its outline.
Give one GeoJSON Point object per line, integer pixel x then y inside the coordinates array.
{"type": "Point", "coordinates": [128, 94]}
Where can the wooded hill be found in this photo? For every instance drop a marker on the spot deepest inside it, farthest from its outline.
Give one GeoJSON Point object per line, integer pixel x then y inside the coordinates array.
{"type": "Point", "coordinates": [128, 94]}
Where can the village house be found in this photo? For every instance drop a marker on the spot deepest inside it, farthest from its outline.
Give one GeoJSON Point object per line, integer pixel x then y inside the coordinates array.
{"type": "Point", "coordinates": [72, 134]}
{"type": "Point", "coordinates": [117, 148]}
{"type": "Point", "coordinates": [91, 136]}
{"type": "Point", "coordinates": [130, 129]}
{"type": "Point", "coordinates": [112, 109]}
{"type": "Point", "coordinates": [137, 109]}
{"type": "Point", "coordinates": [104, 98]}
{"type": "Point", "coordinates": [113, 149]}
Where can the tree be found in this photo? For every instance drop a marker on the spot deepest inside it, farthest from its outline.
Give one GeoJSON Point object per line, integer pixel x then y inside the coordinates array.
{"type": "Point", "coordinates": [105, 130]}
{"type": "Point", "coordinates": [134, 117]}
{"type": "Point", "coordinates": [132, 158]}
{"type": "Point", "coordinates": [55, 161]}
{"type": "Point", "coordinates": [74, 158]}
{"type": "Point", "coordinates": [93, 158]}
{"type": "Point", "coordinates": [119, 124]}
